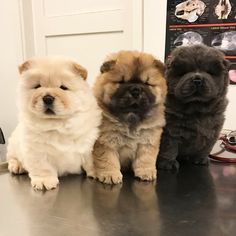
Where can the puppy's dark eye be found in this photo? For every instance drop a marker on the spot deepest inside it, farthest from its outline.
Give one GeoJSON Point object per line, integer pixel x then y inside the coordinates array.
{"type": "Point", "coordinates": [212, 72]}
{"type": "Point", "coordinates": [214, 68]}
{"type": "Point", "coordinates": [180, 68]}
{"type": "Point", "coordinates": [63, 87]}
{"type": "Point", "coordinates": [37, 86]}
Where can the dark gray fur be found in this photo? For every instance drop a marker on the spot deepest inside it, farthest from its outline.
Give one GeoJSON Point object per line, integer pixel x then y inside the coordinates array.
{"type": "Point", "coordinates": [197, 80]}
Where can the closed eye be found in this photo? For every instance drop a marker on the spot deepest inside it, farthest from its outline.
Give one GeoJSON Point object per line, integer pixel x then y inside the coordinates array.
{"type": "Point", "coordinates": [212, 72]}
{"type": "Point", "coordinates": [63, 87]}
{"type": "Point", "coordinates": [122, 80]}
{"type": "Point", "coordinates": [37, 86]}
{"type": "Point", "coordinates": [148, 83]}
{"type": "Point", "coordinates": [214, 69]}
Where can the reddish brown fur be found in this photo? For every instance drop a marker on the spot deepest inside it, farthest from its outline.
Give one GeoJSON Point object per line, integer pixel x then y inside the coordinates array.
{"type": "Point", "coordinates": [118, 145]}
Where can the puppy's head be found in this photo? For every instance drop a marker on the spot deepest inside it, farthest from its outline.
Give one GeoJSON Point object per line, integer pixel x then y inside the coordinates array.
{"type": "Point", "coordinates": [131, 83]}
{"type": "Point", "coordinates": [52, 87]}
{"type": "Point", "coordinates": [197, 73]}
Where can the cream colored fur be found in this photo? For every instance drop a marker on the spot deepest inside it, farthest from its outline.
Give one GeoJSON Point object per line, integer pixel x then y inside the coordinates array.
{"type": "Point", "coordinates": [51, 145]}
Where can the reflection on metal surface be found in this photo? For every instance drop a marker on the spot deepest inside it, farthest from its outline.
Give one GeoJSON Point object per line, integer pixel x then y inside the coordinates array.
{"type": "Point", "coordinates": [188, 38]}
{"type": "Point", "coordinates": [190, 10]}
{"type": "Point", "coordinates": [223, 9]}
{"type": "Point", "coordinates": [195, 201]}
{"type": "Point", "coordinates": [79, 206]}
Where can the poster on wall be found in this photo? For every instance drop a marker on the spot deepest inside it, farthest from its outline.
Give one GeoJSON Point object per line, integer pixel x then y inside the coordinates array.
{"type": "Point", "coordinates": [211, 22]}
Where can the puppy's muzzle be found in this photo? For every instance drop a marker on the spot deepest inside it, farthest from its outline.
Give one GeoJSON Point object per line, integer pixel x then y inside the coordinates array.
{"type": "Point", "coordinates": [197, 81]}
{"type": "Point", "coordinates": [135, 91]}
{"type": "Point", "coordinates": [48, 100]}
{"type": "Point", "coordinates": [48, 104]}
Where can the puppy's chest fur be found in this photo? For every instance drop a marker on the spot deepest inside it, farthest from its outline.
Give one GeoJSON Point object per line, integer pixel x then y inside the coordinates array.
{"type": "Point", "coordinates": [125, 141]}
{"type": "Point", "coordinates": [58, 141]}
{"type": "Point", "coordinates": [65, 147]}
{"type": "Point", "coordinates": [195, 131]}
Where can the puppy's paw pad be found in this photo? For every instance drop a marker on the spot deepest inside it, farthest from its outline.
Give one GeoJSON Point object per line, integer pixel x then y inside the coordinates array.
{"type": "Point", "coordinates": [165, 164]}
{"type": "Point", "coordinates": [110, 177]}
{"type": "Point", "coordinates": [146, 174]}
{"type": "Point", "coordinates": [15, 167]}
{"type": "Point", "coordinates": [39, 183]}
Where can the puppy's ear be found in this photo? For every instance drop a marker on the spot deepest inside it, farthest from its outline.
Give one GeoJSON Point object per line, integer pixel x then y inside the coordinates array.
{"type": "Point", "coordinates": [159, 65]}
{"type": "Point", "coordinates": [24, 67]}
{"type": "Point", "coordinates": [107, 66]}
{"type": "Point", "coordinates": [78, 69]}
{"type": "Point", "coordinates": [227, 64]}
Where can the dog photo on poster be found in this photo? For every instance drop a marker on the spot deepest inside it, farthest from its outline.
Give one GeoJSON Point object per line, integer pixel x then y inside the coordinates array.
{"type": "Point", "coordinates": [209, 22]}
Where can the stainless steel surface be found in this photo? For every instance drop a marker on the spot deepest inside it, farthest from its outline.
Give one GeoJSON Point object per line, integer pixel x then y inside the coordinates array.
{"type": "Point", "coordinates": [2, 152]}
{"type": "Point", "coordinates": [196, 201]}
{"type": "Point", "coordinates": [3, 166]}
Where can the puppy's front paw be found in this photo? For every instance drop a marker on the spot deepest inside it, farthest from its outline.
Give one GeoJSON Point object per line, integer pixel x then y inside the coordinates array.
{"type": "Point", "coordinates": [146, 174]}
{"type": "Point", "coordinates": [91, 174]}
{"type": "Point", "coordinates": [165, 164]}
{"type": "Point", "coordinates": [15, 167]}
{"type": "Point", "coordinates": [201, 161]}
{"type": "Point", "coordinates": [110, 177]}
{"type": "Point", "coordinates": [47, 182]}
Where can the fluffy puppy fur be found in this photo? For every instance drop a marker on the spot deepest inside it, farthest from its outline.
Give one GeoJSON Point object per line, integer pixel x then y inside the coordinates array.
{"type": "Point", "coordinates": [197, 80]}
{"type": "Point", "coordinates": [131, 92]}
{"type": "Point", "coordinates": [58, 122]}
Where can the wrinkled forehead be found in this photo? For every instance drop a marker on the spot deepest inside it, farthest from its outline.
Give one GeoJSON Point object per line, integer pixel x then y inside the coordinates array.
{"type": "Point", "coordinates": [204, 63]}
{"type": "Point", "coordinates": [197, 53]}
{"type": "Point", "coordinates": [48, 77]}
{"type": "Point", "coordinates": [134, 65]}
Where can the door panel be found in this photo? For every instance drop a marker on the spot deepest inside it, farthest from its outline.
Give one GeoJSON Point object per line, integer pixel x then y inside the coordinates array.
{"type": "Point", "coordinates": [71, 7]}
{"type": "Point", "coordinates": [86, 30]}
{"type": "Point", "coordinates": [88, 49]}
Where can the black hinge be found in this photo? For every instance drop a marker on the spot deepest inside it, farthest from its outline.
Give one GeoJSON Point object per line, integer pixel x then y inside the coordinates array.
{"type": "Point", "coordinates": [2, 140]}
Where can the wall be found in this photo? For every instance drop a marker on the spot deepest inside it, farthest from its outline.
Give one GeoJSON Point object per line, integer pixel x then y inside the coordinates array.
{"type": "Point", "coordinates": [154, 42]}
{"type": "Point", "coordinates": [154, 26]}
{"type": "Point", "coordinates": [230, 122]}
{"type": "Point", "coordinates": [11, 47]}
{"type": "Point", "coordinates": [10, 57]}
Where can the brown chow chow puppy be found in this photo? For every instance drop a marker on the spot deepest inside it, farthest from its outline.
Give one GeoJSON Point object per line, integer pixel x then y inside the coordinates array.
{"type": "Point", "coordinates": [131, 91]}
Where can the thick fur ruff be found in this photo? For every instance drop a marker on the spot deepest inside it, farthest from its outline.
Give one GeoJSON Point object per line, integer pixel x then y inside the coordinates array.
{"type": "Point", "coordinates": [58, 122]}
{"type": "Point", "coordinates": [197, 80]}
{"type": "Point", "coordinates": [131, 91]}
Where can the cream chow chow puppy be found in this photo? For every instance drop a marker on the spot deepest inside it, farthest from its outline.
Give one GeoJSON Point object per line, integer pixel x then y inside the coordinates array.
{"type": "Point", "coordinates": [58, 122]}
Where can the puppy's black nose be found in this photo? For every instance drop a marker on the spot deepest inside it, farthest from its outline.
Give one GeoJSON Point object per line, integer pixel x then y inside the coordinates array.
{"type": "Point", "coordinates": [197, 80]}
{"type": "Point", "coordinates": [48, 100]}
{"type": "Point", "coordinates": [135, 91]}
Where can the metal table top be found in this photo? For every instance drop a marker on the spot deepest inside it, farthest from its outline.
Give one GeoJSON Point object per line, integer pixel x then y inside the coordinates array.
{"type": "Point", "coordinates": [195, 201]}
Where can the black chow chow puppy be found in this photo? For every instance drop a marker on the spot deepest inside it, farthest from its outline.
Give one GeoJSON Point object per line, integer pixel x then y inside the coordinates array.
{"type": "Point", "coordinates": [197, 80]}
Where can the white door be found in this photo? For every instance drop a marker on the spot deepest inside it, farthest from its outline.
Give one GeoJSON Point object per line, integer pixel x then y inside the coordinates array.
{"type": "Point", "coordinates": [85, 30]}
